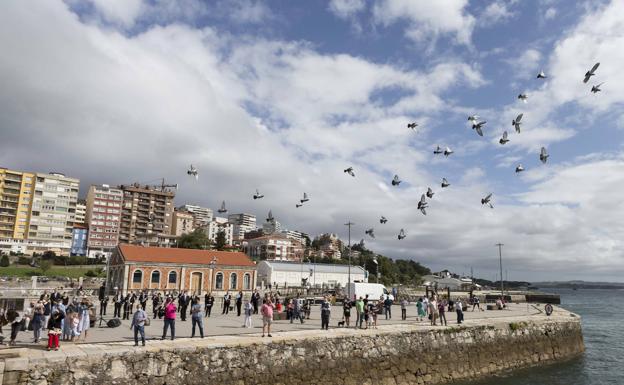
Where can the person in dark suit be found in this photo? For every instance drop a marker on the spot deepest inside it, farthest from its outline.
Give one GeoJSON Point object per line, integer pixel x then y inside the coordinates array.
{"type": "Point", "coordinates": [184, 301]}
{"type": "Point", "coordinates": [127, 306]}
{"type": "Point", "coordinates": [226, 302]}
{"type": "Point", "coordinates": [208, 302]}
{"type": "Point", "coordinates": [143, 300]}
{"type": "Point", "coordinates": [118, 301]}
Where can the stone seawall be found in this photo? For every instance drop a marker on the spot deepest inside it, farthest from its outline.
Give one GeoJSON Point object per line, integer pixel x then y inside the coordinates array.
{"type": "Point", "coordinates": [393, 354]}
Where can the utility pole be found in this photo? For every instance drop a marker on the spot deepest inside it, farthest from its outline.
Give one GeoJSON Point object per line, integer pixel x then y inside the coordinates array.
{"type": "Point", "coordinates": [349, 224]}
{"type": "Point", "coordinates": [500, 261]}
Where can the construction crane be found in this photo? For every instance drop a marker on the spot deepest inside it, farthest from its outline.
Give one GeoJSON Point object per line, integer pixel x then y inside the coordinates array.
{"type": "Point", "coordinates": [160, 187]}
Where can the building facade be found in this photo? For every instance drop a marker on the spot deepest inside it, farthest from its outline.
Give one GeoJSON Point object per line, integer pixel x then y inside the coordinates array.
{"type": "Point", "coordinates": [16, 194]}
{"type": "Point", "coordinates": [53, 213]}
{"type": "Point", "coordinates": [274, 247]}
{"type": "Point", "coordinates": [242, 224]}
{"type": "Point", "coordinates": [146, 213]}
{"type": "Point", "coordinates": [201, 215]}
{"type": "Point", "coordinates": [134, 268]}
{"type": "Point", "coordinates": [103, 218]}
{"type": "Point", "coordinates": [81, 212]}
{"type": "Point", "coordinates": [295, 235]}
{"type": "Point", "coordinates": [289, 274]}
{"type": "Point", "coordinates": [217, 225]}
{"type": "Point", "coordinates": [79, 240]}
{"type": "Point", "coordinates": [182, 223]}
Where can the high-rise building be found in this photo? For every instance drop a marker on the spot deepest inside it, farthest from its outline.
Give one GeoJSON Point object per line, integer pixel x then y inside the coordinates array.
{"type": "Point", "coordinates": [79, 240]}
{"type": "Point", "coordinates": [81, 212]}
{"type": "Point", "coordinates": [182, 223]}
{"type": "Point", "coordinates": [53, 213]}
{"type": "Point", "coordinates": [146, 215]}
{"type": "Point", "coordinates": [103, 217]}
{"type": "Point", "coordinates": [201, 215]}
{"type": "Point", "coordinates": [217, 225]}
{"type": "Point", "coordinates": [296, 235]}
{"type": "Point", "coordinates": [16, 192]}
{"type": "Point", "coordinates": [274, 247]}
{"type": "Point", "coordinates": [242, 223]}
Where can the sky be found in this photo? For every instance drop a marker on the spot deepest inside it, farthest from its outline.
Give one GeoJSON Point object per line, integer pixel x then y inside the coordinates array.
{"type": "Point", "coordinates": [284, 95]}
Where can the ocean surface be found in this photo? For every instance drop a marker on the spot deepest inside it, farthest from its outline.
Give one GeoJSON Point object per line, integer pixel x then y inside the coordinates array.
{"type": "Point", "coordinates": [602, 313]}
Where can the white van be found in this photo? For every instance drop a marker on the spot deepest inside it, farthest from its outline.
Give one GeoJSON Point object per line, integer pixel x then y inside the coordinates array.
{"type": "Point", "coordinates": [373, 290]}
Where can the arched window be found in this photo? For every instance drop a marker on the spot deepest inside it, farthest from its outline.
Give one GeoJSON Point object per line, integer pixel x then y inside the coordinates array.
{"type": "Point", "coordinates": [219, 281]}
{"type": "Point", "coordinates": [156, 276]}
{"type": "Point", "coordinates": [137, 276]}
{"type": "Point", "coordinates": [247, 281]}
{"type": "Point", "coordinates": [233, 281]}
{"type": "Point", "coordinates": [173, 277]}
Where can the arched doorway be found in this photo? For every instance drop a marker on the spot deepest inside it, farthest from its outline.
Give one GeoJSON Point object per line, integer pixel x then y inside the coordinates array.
{"type": "Point", "coordinates": [196, 283]}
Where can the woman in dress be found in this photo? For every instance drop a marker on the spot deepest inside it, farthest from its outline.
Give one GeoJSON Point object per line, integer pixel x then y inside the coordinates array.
{"type": "Point", "coordinates": [85, 321]}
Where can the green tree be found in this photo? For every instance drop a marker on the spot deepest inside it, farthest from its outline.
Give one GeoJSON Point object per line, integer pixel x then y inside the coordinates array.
{"type": "Point", "coordinates": [220, 240]}
{"type": "Point", "coordinates": [49, 255]}
{"type": "Point", "coordinates": [45, 266]}
{"type": "Point", "coordinates": [4, 261]}
{"type": "Point", "coordinates": [195, 240]}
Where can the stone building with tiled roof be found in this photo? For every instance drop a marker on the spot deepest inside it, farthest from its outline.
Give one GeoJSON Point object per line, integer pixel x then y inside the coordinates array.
{"type": "Point", "coordinates": [134, 268]}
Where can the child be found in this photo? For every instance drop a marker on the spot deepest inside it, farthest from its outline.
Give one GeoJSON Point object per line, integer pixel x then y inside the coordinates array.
{"type": "Point", "coordinates": [74, 324]}
{"type": "Point", "coordinates": [68, 327]}
{"type": "Point", "coordinates": [54, 329]}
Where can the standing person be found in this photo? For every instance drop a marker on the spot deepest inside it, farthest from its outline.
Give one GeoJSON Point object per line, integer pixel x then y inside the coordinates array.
{"type": "Point", "coordinates": [476, 303]}
{"type": "Point", "coordinates": [267, 316]}
{"type": "Point", "coordinates": [54, 329]}
{"type": "Point", "coordinates": [433, 311]}
{"type": "Point", "coordinates": [239, 303]}
{"type": "Point", "coordinates": [226, 302]}
{"type": "Point", "coordinates": [442, 312]}
{"type": "Point", "coordinates": [156, 302]}
{"type": "Point", "coordinates": [127, 306]}
{"type": "Point", "coordinates": [404, 304]}
{"type": "Point", "coordinates": [346, 311]}
{"type": "Point", "coordinates": [459, 310]}
{"type": "Point", "coordinates": [375, 310]}
{"type": "Point", "coordinates": [249, 309]}
{"type": "Point", "coordinates": [420, 307]}
{"type": "Point", "coordinates": [83, 314]}
{"type": "Point", "coordinates": [143, 299]}
{"type": "Point", "coordinates": [325, 313]}
{"type": "Point", "coordinates": [118, 302]}
{"type": "Point", "coordinates": [387, 304]}
{"type": "Point", "coordinates": [101, 292]}
{"type": "Point", "coordinates": [47, 310]}
{"type": "Point", "coordinates": [183, 301]}
{"type": "Point", "coordinates": [37, 321]}
{"type": "Point", "coordinates": [208, 303]}
{"type": "Point", "coordinates": [359, 308]}
{"type": "Point", "coordinates": [103, 305]}
{"type": "Point", "coordinates": [170, 315]}
{"type": "Point", "coordinates": [196, 317]}
{"type": "Point", "coordinates": [15, 320]}
{"type": "Point", "coordinates": [138, 324]}
{"type": "Point", "coordinates": [255, 299]}
{"type": "Point", "coordinates": [297, 309]}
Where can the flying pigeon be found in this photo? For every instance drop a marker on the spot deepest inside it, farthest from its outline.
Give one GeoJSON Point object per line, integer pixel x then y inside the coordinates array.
{"type": "Point", "coordinates": [401, 234]}
{"type": "Point", "coordinates": [270, 216]}
{"type": "Point", "coordinates": [222, 209]}
{"type": "Point", "coordinates": [516, 123]}
{"type": "Point", "coordinates": [473, 119]}
{"type": "Point", "coordinates": [596, 88]}
{"type": "Point", "coordinates": [541, 75]}
{"type": "Point", "coordinates": [396, 181]}
{"type": "Point", "coordinates": [504, 139]}
{"type": "Point", "coordinates": [590, 73]}
{"type": "Point", "coordinates": [438, 150]}
{"type": "Point", "coordinates": [544, 155]}
{"type": "Point", "coordinates": [519, 168]}
{"type": "Point", "coordinates": [445, 183]}
{"type": "Point", "coordinates": [383, 220]}
{"type": "Point", "coordinates": [412, 125]}
{"type": "Point", "coordinates": [478, 127]}
{"type": "Point", "coordinates": [349, 171]}
{"type": "Point", "coordinates": [486, 200]}
{"type": "Point", "coordinates": [370, 232]}
{"type": "Point", "coordinates": [429, 193]}
{"type": "Point", "coordinates": [523, 97]}
{"type": "Point", "coordinates": [448, 151]}
{"type": "Point", "coordinates": [422, 204]}
{"type": "Point", "coordinates": [298, 205]}
{"type": "Point", "coordinates": [257, 195]}
{"type": "Point", "coordinates": [193, 172]}
{"type": "Point", "coordinates": [305, 198]}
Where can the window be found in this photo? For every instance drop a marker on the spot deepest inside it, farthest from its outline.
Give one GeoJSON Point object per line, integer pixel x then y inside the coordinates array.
{"type": "Point", "coordinates": [173, 277]}
{"type": "Point", "coordinates": [156, 276]}
{"type": "Point", "coordinates": [219, 281]}
{"type": "Point", "coordinates": [247, 281]}
{"type": "Point", "coordinates": [233, 281]}
{"type": "Point", "coordinates": [137, 277]}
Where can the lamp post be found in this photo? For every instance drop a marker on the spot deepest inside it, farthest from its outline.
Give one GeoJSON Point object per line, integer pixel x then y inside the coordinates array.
{"type": "Point", "coordinates": [500, 261]}
{"type": "Point", "coordinates": [349, 224]}
{"type": "Point", "coordinates": [376, 269]}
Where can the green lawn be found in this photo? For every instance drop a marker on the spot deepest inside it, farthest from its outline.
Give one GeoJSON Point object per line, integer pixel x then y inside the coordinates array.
{"type": "Point", "coordinates": [60, 271]}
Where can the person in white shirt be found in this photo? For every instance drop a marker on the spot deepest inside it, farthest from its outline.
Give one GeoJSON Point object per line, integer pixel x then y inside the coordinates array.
{"type": "Point", "coordinates": [459, 310]}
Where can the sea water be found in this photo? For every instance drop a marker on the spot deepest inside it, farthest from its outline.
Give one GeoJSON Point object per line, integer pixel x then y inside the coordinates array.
{"type": "Point", "coordinates": [602, 313]}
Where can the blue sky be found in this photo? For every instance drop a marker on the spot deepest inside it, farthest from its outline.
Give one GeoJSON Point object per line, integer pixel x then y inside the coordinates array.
{"type": "Point", "coordinates": [283, 95]}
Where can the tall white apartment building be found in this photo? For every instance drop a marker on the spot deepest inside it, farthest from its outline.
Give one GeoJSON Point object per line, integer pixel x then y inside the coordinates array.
{"type": "Point", "coordinates": [81, 212]}
{"type": "Point", "coordinates": [296, 235]}
{"type": "Point", "coordinates": [202, 216]}
{"type": "Point", "coordinates": [220, 224]}
{"type": "Point", "coordinates": [53, 213]}
{"type": "Point", "coordinates": [103, 216]}
{"type": "Point", "coordinates": [242, 223]}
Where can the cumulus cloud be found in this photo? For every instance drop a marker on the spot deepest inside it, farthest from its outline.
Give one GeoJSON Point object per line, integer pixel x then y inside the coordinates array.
{"type": "Point", "coordinates": [346, 8]}
{"type": "Point", "coordinates": [496, 12]}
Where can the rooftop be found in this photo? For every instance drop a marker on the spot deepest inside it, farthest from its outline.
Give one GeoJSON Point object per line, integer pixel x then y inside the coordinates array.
{"type": "Point", "coordinates": [318, 267]}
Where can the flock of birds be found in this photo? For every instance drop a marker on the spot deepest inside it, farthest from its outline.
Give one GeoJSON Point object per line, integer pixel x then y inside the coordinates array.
{"type": "Point", "coordinates": [477, 125]}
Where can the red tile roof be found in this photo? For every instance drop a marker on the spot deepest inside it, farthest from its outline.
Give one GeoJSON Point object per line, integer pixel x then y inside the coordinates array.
{"type": "Point", "coordinates": [133, 253]}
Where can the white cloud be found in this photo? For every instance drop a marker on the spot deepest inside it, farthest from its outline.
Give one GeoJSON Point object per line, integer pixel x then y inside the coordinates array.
{"type": "Point", "coordinates": [345, 9]}
{"type": "Point", "coordinates": [427, 19]}
{"type": "Point", "coordinates": [247, 11]}
{"type": "Point", "coordinates": [550, 13]}
{"type": "Point", "coordinates": [496, 12]}
{"type": "Point", "coordinates": [123, 12]}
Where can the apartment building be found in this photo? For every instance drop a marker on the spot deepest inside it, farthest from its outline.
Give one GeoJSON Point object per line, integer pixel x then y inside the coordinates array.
{"type": "Point", "coordinates": [220, 224]}
{"type": "Point", "coordinates": [53, 213]}
{"type": "Point", "coordinates": [201, 215]}
{"type": "Point", "coordinates": [242, 223]}
{"type": "Point", "coordinates": [182, 223]}
{"type": "Point", "coordinates": [81, 212]}
{"type": "Point", "coordinates": [103, 218]}
{"type": "Point", "coordinates": [296, 235]}
{"type": "Point", "coordinates": [274, 247]}
{"type": "Point", "coordinates": [147, 214]}
{"type": "Point", "coordinates": [16, 192]}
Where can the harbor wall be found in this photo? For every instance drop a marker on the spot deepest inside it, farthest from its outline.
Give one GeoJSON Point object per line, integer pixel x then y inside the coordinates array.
{"type": "Point", "coordinates": [390, 355]}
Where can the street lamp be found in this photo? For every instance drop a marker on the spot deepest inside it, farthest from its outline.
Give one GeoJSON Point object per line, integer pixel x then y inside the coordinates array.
{"type": "Point", "coordinates": [349, 224]}
{"type": "Point", "coordinates": [376, 269]}
{"type": "Point", "coordinates": [500, 261]}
